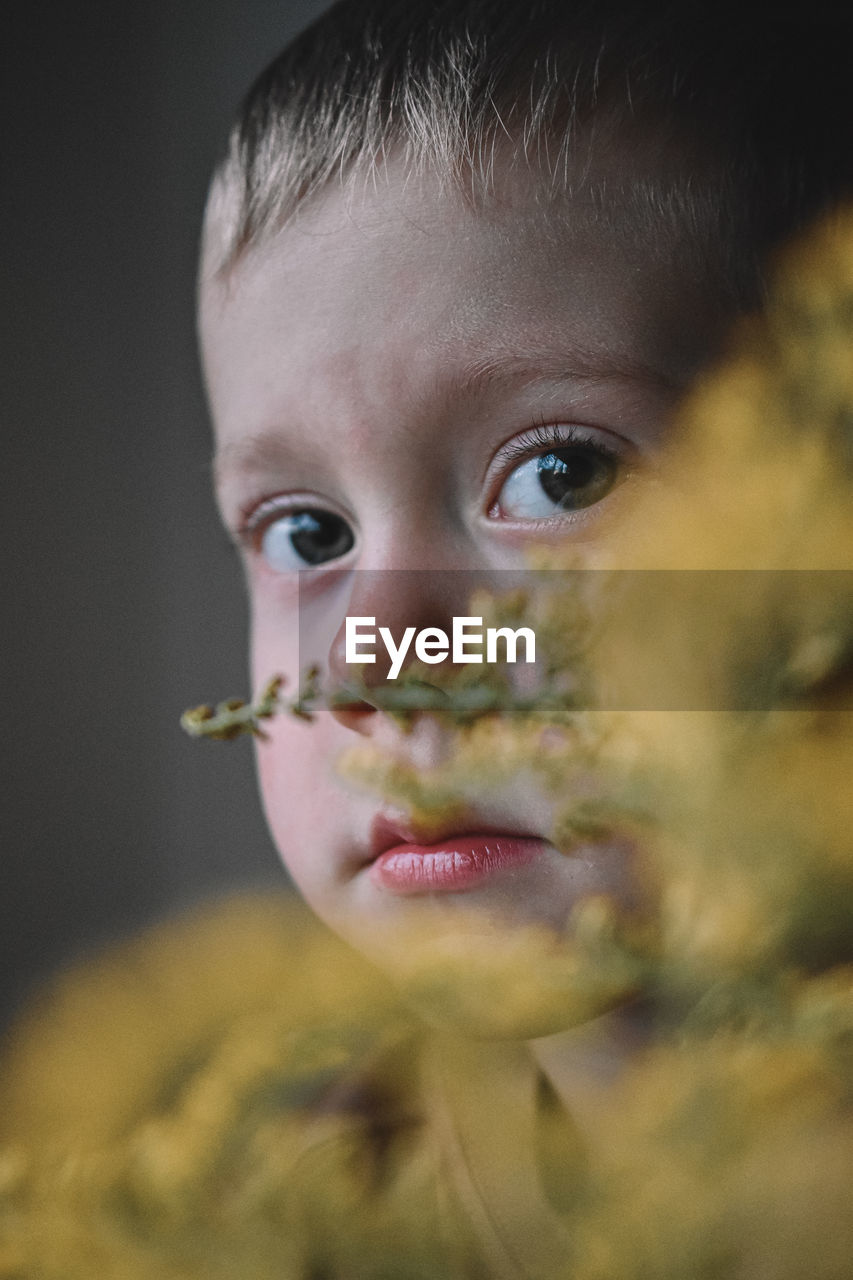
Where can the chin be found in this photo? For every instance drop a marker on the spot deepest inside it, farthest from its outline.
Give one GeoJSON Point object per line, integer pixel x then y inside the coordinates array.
{"type": "Point", "coordinates": [485, 978]}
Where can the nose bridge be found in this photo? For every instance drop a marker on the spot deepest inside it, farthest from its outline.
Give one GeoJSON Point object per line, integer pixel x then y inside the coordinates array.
{"type": "Point", "coordinates": [399, 599]}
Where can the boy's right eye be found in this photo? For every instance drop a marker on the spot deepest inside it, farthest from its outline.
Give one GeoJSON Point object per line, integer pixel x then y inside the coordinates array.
{"type": "Point", "coordinates": [292, 540]}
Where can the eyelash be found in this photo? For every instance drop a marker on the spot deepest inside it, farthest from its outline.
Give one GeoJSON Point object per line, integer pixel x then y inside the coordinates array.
{"type": "Point", "coordinates": [542, 438]}
{"type": "Point", "coordinates": [253, 518]}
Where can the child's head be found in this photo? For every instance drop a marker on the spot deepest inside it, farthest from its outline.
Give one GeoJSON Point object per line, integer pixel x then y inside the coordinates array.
{"type": "Point", "coordinates": [459, 265]}
{"type": "Point", "coordinates": [732, 117]}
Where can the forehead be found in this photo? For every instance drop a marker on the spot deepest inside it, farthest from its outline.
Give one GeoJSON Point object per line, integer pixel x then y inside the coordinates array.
{"type": "Point", "coordinates": [408, 275]}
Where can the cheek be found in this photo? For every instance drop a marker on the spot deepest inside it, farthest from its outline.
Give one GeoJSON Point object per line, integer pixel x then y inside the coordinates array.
{"type": "Point", "coordinates": [308, 809]}
{"type": "Point", "coordinates": [291, 776]}
{"type": "Point", "coordinates": [305, 804]}
{"type": "Point", "coordinates": [275, 634]}
{"type": "Point", "coordinates": [295, 619]}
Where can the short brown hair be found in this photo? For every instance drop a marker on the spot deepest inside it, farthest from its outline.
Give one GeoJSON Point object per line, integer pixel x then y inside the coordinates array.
{"type": "Point", "coordinates": [757, 105]}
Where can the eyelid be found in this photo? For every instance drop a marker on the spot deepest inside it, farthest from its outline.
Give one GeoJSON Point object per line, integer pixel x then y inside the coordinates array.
{"type": "Point", "coordinates": [256, 515]}
{"type": "Point", "coordinates": [544, 435]}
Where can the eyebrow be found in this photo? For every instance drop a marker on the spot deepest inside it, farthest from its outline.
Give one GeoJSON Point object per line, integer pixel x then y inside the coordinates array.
{"type": "Point", "coordinates": [586, 367]}
{"type": "Point", "coordinates": [260, 451]}
{"type": "Point", "coordinates": [266, 449]}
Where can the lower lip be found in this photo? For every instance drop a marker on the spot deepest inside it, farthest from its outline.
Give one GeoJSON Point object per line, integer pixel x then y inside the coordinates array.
{"type": "Point", "coordinates": [463, 862]}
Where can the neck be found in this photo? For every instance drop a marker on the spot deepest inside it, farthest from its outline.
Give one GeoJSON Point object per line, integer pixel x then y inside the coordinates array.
{"type": "Point", "coordinates": [585, 1063]}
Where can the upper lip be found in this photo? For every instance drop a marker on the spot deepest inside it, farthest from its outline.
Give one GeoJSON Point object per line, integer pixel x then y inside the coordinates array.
{"type": "Point", "coordinates": [387, 831]}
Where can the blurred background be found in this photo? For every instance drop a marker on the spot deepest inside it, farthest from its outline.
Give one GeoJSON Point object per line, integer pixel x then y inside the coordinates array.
{"type": "Point", "coordinates": [122, 601]}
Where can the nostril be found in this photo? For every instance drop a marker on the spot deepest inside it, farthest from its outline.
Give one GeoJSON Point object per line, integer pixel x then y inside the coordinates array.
{"type": "Point", "coordinates": [353, 714]}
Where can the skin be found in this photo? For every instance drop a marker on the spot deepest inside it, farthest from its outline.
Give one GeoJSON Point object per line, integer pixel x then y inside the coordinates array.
{"type": "Point", "coordinates": [374, 359]}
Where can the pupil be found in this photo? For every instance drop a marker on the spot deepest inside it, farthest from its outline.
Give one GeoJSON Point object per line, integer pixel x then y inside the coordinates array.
{"type": "Point", "coordinates": [575, 478]}
{"type": "Point", "coordinates": [318, 536]}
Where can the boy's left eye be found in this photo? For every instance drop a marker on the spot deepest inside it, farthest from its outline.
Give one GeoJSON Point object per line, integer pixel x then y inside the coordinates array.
{"type": "Point", "coordinates": [571, 475]}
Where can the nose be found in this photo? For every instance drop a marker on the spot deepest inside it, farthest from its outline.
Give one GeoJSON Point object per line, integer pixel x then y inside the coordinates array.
{"type": "Point", "coordinates": [398, 599]}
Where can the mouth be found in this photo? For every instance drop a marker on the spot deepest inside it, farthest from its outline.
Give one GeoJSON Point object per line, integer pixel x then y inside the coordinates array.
{"type": "Point", "coordinates": [402, 862]}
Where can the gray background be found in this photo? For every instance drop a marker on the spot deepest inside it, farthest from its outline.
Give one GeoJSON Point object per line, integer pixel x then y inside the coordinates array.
{"type": "Point", "coordinates": [121, 601]}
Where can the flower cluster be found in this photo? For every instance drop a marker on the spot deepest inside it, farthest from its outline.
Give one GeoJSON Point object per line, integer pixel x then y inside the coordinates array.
{"type": "Point", "coordinates": [262, 1108]}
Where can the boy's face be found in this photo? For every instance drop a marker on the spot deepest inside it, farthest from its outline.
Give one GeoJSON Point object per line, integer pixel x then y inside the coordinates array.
{"type": "Point", "coordinates": [385, 377]}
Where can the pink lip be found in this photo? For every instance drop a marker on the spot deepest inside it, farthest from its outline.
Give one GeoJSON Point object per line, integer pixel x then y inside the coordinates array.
{"type": "Point", "coordinates": [457, 862]}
